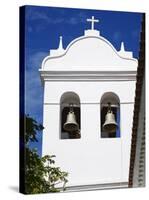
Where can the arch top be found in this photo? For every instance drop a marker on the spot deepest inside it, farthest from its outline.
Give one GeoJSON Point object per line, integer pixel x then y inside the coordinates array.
{"type": "Point", "coordinates": [70, 97]}
{"type": "Point", "coordinates": [111, 97]}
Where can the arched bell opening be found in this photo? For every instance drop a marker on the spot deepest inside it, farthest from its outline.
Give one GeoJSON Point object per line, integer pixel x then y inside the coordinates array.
{"type": "Point", "coordinates": [70, 116]}
{"type": "Point", "coordinates": [110, 115]}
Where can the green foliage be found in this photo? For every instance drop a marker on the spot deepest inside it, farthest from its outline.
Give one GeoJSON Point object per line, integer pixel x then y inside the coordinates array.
{"type": "Point", "coordinates": [32, 128]}
{"type": "Point", "coordinates": [41, 175]}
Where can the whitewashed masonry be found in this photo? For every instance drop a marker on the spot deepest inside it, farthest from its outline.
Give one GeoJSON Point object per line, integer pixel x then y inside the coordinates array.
{"type": "Point", "coordinates": [90, 66]}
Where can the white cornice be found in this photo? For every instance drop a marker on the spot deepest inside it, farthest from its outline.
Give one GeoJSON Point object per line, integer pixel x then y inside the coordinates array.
{"type": "Point", "coordinates": [87, 76]}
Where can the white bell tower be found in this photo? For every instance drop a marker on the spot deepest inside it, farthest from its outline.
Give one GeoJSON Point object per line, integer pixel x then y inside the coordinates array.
{"type": "Point", "coordinates": [89, 74]}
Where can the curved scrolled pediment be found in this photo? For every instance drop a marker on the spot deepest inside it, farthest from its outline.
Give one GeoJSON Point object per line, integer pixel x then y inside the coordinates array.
{"type": "Point", "coordinates": [89, 53]}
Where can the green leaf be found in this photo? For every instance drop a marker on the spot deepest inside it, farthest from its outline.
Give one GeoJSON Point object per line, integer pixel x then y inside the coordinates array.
{"type": "Point", "coordinates": [41, 176]}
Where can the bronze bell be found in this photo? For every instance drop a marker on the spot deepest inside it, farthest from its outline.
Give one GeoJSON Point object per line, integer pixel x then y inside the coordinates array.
{"type": "Point", "coordinates": [71, 124]}
{"type": "Point", "coordinates": [110, 124]}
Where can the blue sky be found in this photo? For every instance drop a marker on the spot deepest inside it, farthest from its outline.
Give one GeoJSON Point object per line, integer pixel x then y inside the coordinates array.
{"type": "Point", "coordinates": [44, 25]}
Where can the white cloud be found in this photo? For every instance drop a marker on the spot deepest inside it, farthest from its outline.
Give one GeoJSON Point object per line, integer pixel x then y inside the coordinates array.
{"type": "Point", "coordinates": [117, 36]}
{"type": "Point", "coordinates": [34, 60]}
{"type": "Point", "coordinates": [72, 20]}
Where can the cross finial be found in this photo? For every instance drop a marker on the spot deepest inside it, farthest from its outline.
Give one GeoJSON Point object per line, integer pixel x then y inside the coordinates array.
{"type": "Point", "coordinates": [92, 20]}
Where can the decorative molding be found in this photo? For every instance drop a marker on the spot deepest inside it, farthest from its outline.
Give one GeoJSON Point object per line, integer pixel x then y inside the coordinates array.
{"type": "Point", "coordinates": [88, 103]}
{"type": "Point", "coordinates": [88, 75]}
{"type": "Point", "coordinates": [96, 187]}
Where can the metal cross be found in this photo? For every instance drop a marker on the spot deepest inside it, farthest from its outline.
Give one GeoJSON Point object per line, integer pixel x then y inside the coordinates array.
{"type": "Point", "coordinates": [93, 20]}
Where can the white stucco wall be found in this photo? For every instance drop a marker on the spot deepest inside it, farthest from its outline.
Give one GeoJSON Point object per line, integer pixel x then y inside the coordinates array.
{"type": "Point", "coordinates": [90, 159]}
{"type": "Point", "coordinates": [90, 66]}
